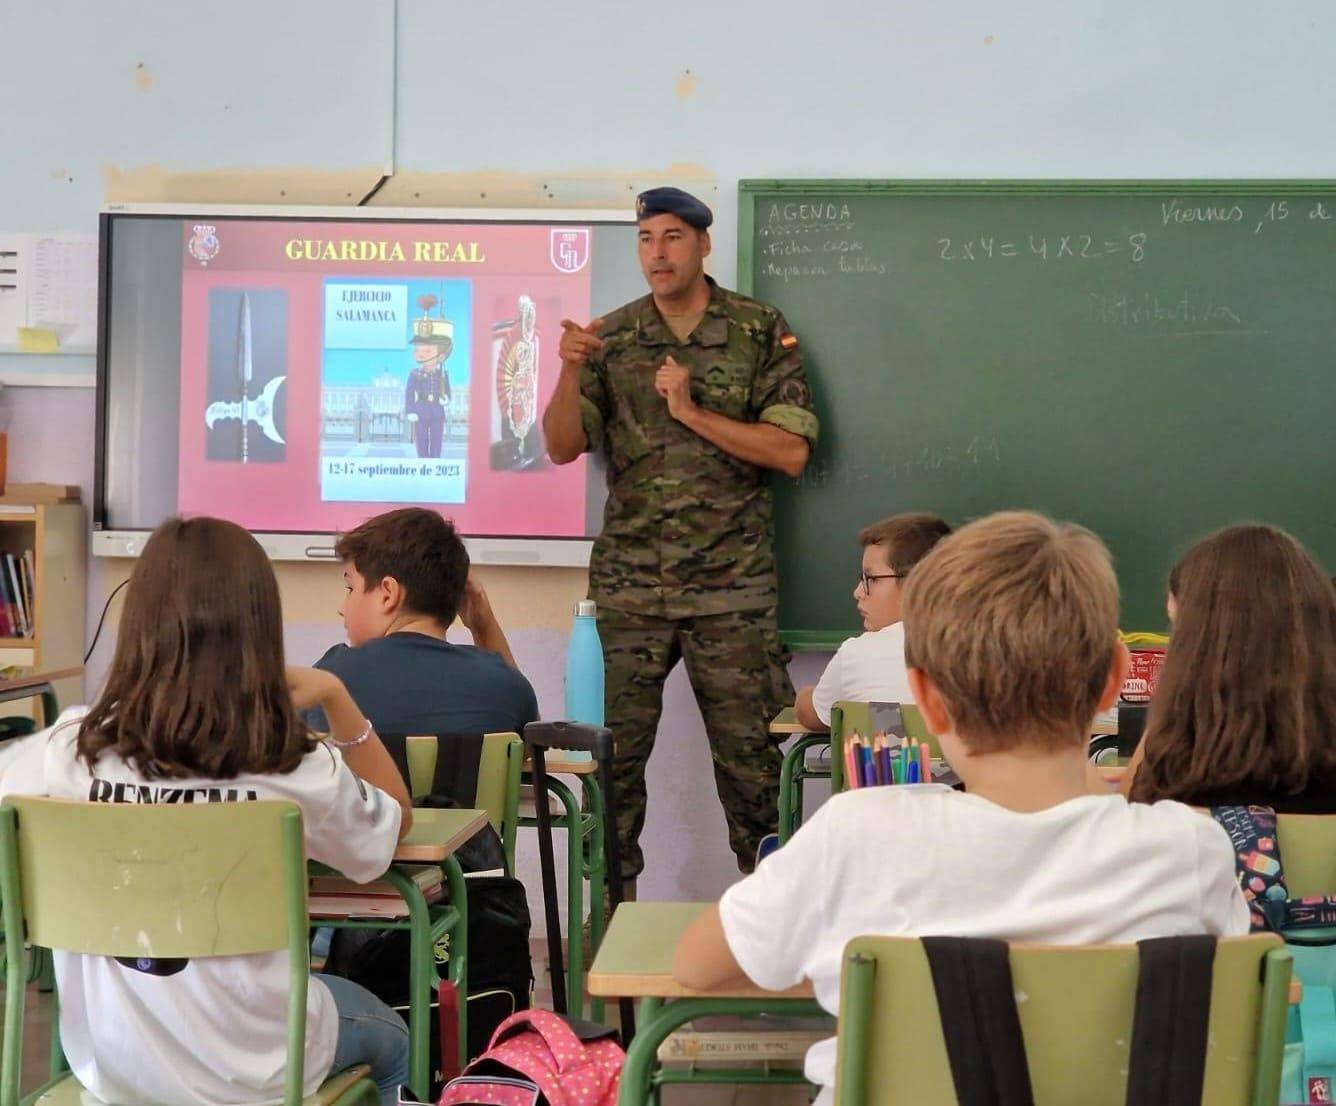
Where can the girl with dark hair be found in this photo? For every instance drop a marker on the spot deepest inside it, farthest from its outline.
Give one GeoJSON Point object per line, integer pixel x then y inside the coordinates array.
{"type": "Point", "coordinates": [200, 708]}
{"type": "Point", "coordinates": [1245, 708]}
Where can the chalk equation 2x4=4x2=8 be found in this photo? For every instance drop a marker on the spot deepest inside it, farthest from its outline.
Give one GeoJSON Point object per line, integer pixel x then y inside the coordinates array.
{"type": "Point", "coordinates": [1077, 247]}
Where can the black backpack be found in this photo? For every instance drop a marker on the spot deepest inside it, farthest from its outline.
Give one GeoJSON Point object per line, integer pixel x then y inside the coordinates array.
{"type": "Point", "coordinates": [500, 966]}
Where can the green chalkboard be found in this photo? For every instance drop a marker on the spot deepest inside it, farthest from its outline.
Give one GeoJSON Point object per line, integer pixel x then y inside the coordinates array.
{"type": "Point", "coordinates": [1153, 360]}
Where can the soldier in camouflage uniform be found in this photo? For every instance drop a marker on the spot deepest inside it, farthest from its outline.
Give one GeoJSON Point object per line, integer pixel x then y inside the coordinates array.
{"type": "Point", "coordinates": [692, 392]}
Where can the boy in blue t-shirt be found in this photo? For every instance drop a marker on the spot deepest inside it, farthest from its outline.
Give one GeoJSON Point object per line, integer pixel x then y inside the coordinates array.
{"type": "Point", "coordinates": [406, 576]}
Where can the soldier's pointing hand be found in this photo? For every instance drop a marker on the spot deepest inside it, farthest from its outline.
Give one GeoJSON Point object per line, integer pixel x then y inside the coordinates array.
{"type": "Point", "coordinates": [578, 342]}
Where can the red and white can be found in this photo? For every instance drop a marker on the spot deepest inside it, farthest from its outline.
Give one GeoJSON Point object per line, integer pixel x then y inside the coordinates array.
{"type": "Point", "coordinates": [1143, 675]}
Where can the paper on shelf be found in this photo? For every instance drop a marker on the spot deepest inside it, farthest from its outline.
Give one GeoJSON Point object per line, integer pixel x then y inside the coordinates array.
{"type": "Point", "coordinates": [33, 339]}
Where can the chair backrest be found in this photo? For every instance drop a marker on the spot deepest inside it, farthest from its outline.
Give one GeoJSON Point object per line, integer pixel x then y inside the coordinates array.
{"type": "Point", "coordinates": [848, 717]}
{"type": "Point", "coordinates": [499, 773]}
{"type": "Point", "coordinates": [498, 790]}
{"type": "Point", "coordinates": [1308, 852]}
{"type": "Point", "coordinates": [1075, 1005]}
{"type": "Point", "coordinates": [421, 750]}
{"type": "Point", "coordinates": [160, 881]}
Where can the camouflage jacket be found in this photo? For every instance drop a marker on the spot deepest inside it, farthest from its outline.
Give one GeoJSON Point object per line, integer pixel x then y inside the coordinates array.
{"type": "Point", "coordinates": [687, 529]}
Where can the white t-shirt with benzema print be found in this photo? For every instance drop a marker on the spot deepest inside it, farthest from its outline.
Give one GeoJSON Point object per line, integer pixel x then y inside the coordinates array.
{"type": "Point", "coordinates": [210, 1030]}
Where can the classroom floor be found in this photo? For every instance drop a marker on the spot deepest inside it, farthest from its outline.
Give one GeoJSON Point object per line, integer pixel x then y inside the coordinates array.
{"type": "Point", "coordinates": [37, 1043]}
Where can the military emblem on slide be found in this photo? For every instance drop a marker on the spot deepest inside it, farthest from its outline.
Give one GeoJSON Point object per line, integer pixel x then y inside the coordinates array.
{"type": "Point", "coordinates": [570, 248]}
{"type": "Point", "coordinates": [204, 245]}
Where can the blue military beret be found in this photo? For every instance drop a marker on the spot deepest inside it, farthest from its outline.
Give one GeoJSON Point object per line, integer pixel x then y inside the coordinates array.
{"type": "Point", "coordinates": [673, 201]}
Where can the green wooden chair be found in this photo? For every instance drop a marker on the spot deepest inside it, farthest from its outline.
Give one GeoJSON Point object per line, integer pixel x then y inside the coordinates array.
{"type": "Point", "coordinates": [499, 770]}
{"type": "Point", "coordinates": [845, 718]}
{"type": "Point", "coordinates": [1308, 850]}
{"type": "Point", "coordinates": [225, 879]}
{"type": "Point", "coordinates": [1075, 1005]}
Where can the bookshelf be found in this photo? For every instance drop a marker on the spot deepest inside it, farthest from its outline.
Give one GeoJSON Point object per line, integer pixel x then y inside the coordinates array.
{"type": "Point", "coordinates": [47, 520]}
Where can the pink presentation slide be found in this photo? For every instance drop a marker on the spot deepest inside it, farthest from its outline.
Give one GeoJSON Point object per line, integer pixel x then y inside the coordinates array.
{"type": "Point", "coordinates": [331, 371]}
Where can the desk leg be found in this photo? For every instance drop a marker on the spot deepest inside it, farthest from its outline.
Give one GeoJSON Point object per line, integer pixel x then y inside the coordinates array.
{"type": "Point", "coordinates": [792, 772]}
{"type": "Point", "coordinates": [786, 784]}
{"type": "Point", "coordinates": [459, 953]}
{"type": "Point", "coordinates": [596, 871]}
{"type": "Point", "coordinates": [50, 708]}
{"type": "Point", "coordinates": [59, 1065]}
{"type": "Point", "coordinates": [420, 970]}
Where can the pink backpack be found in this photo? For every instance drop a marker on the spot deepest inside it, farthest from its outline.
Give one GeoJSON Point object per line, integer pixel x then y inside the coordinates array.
{"type": "Point", "coordinates": [538, 1058]}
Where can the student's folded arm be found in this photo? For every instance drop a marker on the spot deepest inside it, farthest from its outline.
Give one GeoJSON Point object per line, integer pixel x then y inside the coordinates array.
{"type": "Point", "coordinates": [702, 959]}
{"type": "Point", "coordinates": [804, 710]}
{"type": "Point", "coordinates": [827, 691]}
{"type": "Point", "coordinates": [480, 620]}
{"type": "Point", "coordinates": [363, 753]}
{"type": "Point", "coordinates": [371, 762]}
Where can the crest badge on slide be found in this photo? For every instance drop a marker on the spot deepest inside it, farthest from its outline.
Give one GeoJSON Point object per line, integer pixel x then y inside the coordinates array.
{"type": "Point", "coordinates": [570, 248]}
{"type": "Point", "coordinates": [204, 245]}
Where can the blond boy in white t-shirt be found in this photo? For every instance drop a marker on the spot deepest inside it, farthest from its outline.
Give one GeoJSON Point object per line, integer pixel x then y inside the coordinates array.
{"type": "Point", "coordinates": [870, 668]}
{"type": "Point", "coordinates": [1012, 647]}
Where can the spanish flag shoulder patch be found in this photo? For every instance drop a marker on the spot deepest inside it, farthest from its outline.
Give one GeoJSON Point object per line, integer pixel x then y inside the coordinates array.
{"type": "Point", "coordinates": [788, 341]}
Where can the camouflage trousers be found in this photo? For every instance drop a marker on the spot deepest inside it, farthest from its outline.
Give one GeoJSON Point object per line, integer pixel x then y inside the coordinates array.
{"type": "Point", "coordinates": [739, 672]}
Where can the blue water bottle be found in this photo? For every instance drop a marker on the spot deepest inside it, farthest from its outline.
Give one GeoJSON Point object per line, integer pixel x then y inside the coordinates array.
{"type": "Point", "coordinates": [584, 668]}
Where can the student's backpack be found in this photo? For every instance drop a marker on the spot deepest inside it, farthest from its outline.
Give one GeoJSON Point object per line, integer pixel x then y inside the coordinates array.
{"type": "Point", "coordinates": [537, 1058]}
{"type": "Point", "coordinates": [500, 975]}
{"type": "Point", "coordinates": [1308, 926]}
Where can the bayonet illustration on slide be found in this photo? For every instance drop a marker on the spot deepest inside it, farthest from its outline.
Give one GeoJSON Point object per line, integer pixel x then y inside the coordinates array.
{"type": "Point", "coordinates": [257, 410]}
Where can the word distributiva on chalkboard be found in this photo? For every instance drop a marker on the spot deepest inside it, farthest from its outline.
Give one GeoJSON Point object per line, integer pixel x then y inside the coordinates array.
{"type": "Point", "coordinates": [1153, 360]}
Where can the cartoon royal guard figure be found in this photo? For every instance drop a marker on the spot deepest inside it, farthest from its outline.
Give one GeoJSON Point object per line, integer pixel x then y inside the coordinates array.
{"type": "Point", "coordinates": [427, 398]}
{"type": "Point", "coordinates": [517, 389]}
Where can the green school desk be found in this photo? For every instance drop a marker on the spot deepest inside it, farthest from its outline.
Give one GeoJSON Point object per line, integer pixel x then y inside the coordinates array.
{"type": "Point", "coordinates": [38, 685]}
{"type": "Point", "coordinates": [434, 838]}
{"type": "Point", "coordinates": [635, 961]}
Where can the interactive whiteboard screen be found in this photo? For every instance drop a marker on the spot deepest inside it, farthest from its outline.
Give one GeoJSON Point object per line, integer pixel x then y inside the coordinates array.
{"type": "Point", "coordinates": [297, 372]}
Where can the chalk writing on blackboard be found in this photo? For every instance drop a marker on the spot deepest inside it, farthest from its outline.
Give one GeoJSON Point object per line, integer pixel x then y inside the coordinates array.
{"type": "Point", "coordinates": [819, 258]}
{"type": "Point", "coordinates": [1151, 309]}
{"type": "Point", "coordinates": [1077, 247]}
{"type": "Point", "coordinates": [901, 463]}
{"type": "Point", "coordinates": [1260, 214]}
{"type": "Point", "coordinates": [806, 217]}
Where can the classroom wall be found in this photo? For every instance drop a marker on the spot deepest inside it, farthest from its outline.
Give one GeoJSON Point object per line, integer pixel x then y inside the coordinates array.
{"type": "Point", "coordinates": [536, 104]}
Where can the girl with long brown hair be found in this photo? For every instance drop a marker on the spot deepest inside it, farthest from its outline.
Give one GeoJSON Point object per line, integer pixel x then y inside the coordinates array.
{"type": "Point", "coordinates": [199, 707]}
{"type": "Point", "coordinates": [1245, 708]}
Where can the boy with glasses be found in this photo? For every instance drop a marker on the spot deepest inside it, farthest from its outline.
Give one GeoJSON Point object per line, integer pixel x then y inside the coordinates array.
{"type": "Point", "coordinates": [871, 667]}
